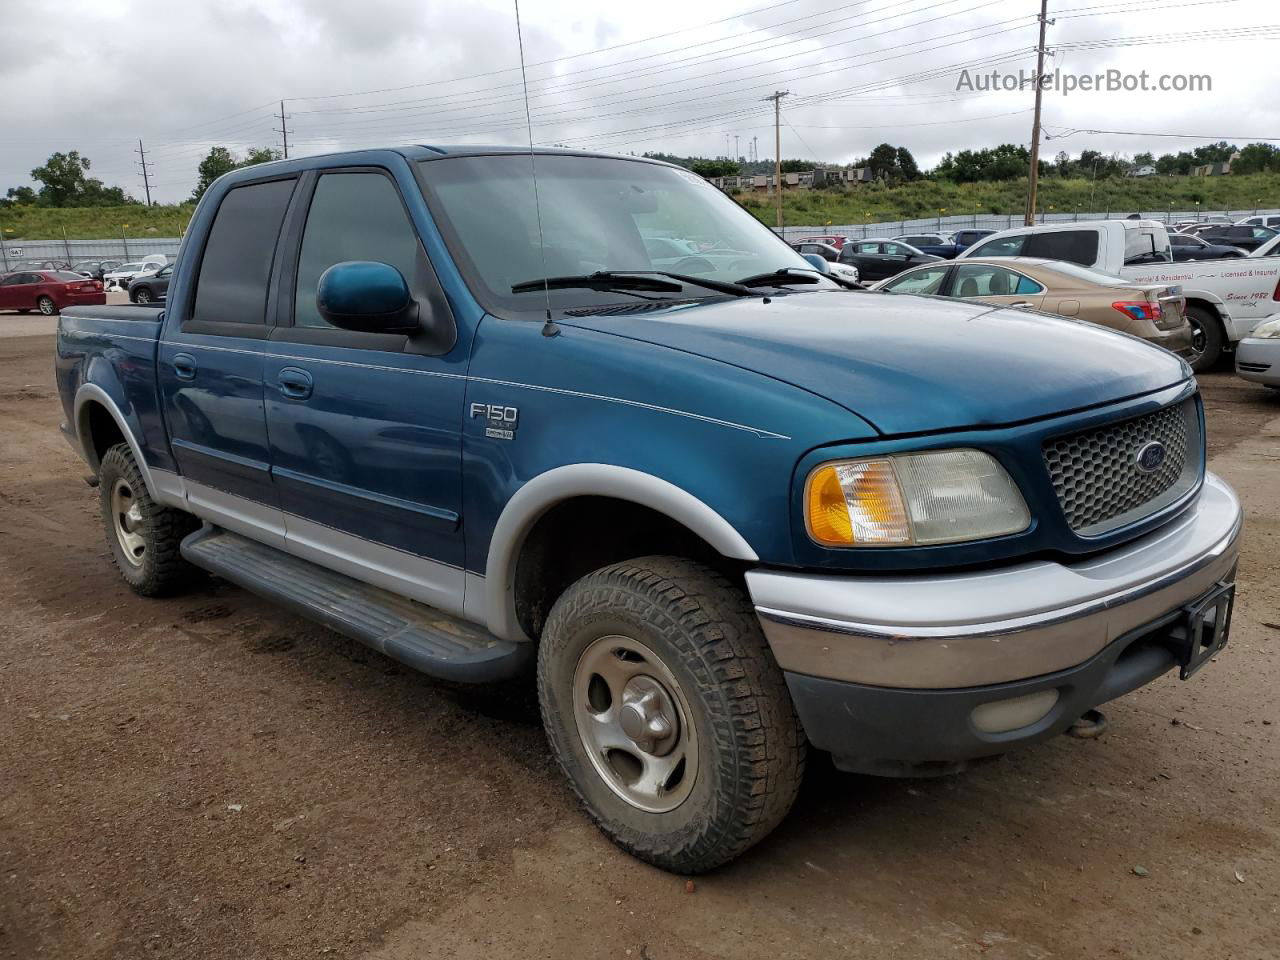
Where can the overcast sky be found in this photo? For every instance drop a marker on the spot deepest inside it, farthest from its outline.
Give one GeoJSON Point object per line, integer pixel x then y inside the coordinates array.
{"type": "Point", "coordinates": [95, 75]}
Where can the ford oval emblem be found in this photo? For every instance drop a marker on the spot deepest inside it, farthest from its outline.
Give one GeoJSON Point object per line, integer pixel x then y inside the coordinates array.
{"type": "Point", "coordinates": [1151, 457]}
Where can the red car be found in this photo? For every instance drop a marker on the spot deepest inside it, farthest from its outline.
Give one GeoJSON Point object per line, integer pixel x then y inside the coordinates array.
{"type": "Point", "coordinates": [832, 240]}
{"type": "Point", "coordinates": [48, 291]}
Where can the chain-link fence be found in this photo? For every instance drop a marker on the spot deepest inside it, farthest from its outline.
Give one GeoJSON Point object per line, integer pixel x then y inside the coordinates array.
{"type": "Point", "coordinates": [14, 252]}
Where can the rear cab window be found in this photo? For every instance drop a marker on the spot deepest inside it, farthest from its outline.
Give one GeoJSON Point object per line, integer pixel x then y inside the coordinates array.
{"type": "Point", "coordinates": [235, 270]}
{"type": "Point", "coordinates": [1073, 246]}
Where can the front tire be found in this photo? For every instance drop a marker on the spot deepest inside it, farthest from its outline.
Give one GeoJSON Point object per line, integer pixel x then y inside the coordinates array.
{"type": "Point", "coordinates": [142, 295]}
{"type": "Point", "coordinates": [144, 537]}
{"type": "Point", "coordinates": [46, 306]}
{"type": "Point", "coordinates": [667, 712]}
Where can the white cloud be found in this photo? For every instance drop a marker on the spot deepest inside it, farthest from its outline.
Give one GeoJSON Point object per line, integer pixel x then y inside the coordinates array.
{"type": "Point", "coordinates": [95, 75]}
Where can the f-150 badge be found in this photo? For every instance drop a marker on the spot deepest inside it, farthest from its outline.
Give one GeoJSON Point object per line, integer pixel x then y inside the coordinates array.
{"type": "Point", "coordinates": [500, 421]}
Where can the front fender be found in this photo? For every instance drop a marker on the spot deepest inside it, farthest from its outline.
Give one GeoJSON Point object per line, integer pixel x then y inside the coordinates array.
{"type": "Point", "coordinates": [544, 491]}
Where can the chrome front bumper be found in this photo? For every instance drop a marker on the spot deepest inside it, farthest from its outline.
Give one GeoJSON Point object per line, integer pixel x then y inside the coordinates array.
{"type": "Point", "coordinates": [948, 631]}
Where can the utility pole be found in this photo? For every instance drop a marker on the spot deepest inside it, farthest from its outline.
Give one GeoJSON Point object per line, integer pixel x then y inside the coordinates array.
{"type": "Point", "coordinates": [146, 174]}
{"type": "Point", "coordinates": [284, 130]}
{"type": "Point", "coordinates": [1034, 175]}
{"type": "Point", "coordinates": [755, 149]}
{"type": "Point", "coordinates": [735, 148]}
{"type": "Point", "coordinates": [777, 148]}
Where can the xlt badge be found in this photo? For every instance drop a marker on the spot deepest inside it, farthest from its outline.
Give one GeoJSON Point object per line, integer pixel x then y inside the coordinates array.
{"type": "Point", "coordinates": [501, 421]}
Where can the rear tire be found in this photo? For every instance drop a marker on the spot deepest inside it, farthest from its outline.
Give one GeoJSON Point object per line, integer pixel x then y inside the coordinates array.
{"type": "Point", "coordinates": [1206, 339]}
{"type": "Point", "coordinates": [46, 306]}
{"type": "Point", "coordinates": [144, 537]}
{"type": "Point", "coordinates": [667, 712]}
{"type": "Point", "coordinates": [142, 295]}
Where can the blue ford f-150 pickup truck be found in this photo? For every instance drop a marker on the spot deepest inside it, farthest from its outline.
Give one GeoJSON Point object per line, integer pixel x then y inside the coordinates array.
{"type": "Point", "coordinates": [724, 511]}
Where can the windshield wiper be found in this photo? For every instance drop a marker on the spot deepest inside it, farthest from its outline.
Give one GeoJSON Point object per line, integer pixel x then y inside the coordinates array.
{"type": "Point", "coordinates": [658, 281]}
{"type": "Point", "coordinates": [780, 278]}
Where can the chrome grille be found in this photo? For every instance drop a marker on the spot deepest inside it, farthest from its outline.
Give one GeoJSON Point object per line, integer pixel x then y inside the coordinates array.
{"type": "Point", "coordinates": [1096, 474]}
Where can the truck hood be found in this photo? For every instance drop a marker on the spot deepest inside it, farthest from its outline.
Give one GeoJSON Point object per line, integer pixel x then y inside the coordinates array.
{"type": "Point", "coordinates": [912, 364]}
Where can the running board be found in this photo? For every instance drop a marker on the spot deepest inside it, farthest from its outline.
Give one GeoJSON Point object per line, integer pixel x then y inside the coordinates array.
{"type": "Point", "coordinates": [417, 635]}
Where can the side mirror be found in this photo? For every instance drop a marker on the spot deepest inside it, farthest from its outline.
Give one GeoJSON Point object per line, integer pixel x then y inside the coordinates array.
{"type": "Point", "coordinates": [366, 296]}
{"type": "Point", "coordinates": [817, 262]}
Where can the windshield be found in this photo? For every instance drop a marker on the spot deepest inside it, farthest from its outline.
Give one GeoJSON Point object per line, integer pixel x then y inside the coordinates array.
{"type": "Point", "coordinates": [1146, 245]}
{"type": "Point", "coordinates": [598, 214]}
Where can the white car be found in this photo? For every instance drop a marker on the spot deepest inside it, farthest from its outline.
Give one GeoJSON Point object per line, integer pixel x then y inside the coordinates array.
{"type": "Point", "coordinates": [121, 275]}
{"type": "Point", "coordinates": [1271, 220]}
{"type": "Point", "coordinates": [1258, 355]}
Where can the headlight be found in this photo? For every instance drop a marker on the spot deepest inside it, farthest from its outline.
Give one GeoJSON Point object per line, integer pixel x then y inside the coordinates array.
{"type": "Point", "coordinates": [912, 499]}
{"type": "Point", "coordinates": [1267, 328]}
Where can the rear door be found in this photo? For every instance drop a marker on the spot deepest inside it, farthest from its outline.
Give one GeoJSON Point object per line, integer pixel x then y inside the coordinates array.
{"type": "Point", "coordinates": [365, 428]}
{"type": "Point", "coordinates": [996, 285]}
{"type": "Point", "coordinates": [209, 364]}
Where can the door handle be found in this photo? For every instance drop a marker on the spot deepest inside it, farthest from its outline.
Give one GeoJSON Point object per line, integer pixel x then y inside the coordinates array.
{"type": "Point", "coordinates": [295, 383]}
{"type": "Point", "coordinates": [1022, 305]}
{"type": "Point", "coordinates": [184, 366]}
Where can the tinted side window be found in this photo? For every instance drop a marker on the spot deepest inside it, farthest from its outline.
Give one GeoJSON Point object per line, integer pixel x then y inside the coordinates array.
{"type": "Point", "coordinates": [1004, 247]}
{"type": "Point", "coordinates": [353, 216]}
{"type": "Point", "coordinates": [1074, 246]}
{"type": "Point", "coordinates": [232, 286]}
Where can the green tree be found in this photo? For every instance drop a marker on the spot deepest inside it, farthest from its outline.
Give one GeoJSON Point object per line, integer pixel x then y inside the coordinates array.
{"type": "Point", "coordinates": [65, 183]}
{"type": "Point", "coordinates": [907, 166]}
{"type": "Point", "coordinates": [18, 197]}
{"type": "Point", "coordinates": [797, 166]}
{"type": "Point", "coordinates": [217, 161]}
{"type": "Point", "coordinates": [1257, 158]}
{"type": "Point", "coordinates": [884, 161]}
{"type": "Point", "coordinates": [220, 160]}
{"type": "Point", "coordinates": [715, 168]}
{"type": "Point", "coordinates": [1143, 160]}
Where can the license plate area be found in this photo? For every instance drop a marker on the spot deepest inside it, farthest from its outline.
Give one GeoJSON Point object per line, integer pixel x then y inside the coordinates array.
{"type": "Point", "coordinates": [1204, 629]}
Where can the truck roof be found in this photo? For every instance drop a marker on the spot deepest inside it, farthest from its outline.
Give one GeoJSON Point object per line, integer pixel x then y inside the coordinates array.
{"type": "Point", "coordinates": [413, 152]}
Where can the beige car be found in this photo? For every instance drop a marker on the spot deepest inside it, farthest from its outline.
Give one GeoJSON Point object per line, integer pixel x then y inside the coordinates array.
{"type": "Point", "coordinates": [1154, 312]}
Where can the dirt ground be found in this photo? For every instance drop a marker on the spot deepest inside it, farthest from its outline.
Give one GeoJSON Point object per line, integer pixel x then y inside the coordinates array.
{"type": "Point", "coordinates": [208, 776]}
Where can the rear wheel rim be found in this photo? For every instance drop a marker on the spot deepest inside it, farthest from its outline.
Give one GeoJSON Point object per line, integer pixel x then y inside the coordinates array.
{"type": "Point", "coordinates": [635, 724]}
{"type": "Point", "coordinates": [47, 306]}
{"type": "Point", "coordinates": [126, 520]}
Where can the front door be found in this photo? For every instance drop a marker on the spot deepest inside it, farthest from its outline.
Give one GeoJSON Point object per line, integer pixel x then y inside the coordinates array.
{"type": "Point", "coordinates": [365, 429]}
{"type": "Point", "coordinates": [18, 291]}
{"type": "Point", "coordinates": [209, 366]}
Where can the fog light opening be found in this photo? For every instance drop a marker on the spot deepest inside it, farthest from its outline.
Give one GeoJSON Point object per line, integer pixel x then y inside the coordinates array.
{"type": "Point", "coordinates": [1001, 716]}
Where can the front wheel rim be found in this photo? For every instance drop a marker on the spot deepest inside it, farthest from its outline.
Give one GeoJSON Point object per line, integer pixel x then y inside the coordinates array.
{"type": "Point", "coordinates": [144, 297]}
{"type": "Point", "coordinates": [635, 724]}
{"type": "Point", "coordinates": [126, 520]}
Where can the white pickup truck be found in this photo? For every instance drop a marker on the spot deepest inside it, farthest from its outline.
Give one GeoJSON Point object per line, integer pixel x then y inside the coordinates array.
{"type": "Point", "coordinates": [1225, 298]}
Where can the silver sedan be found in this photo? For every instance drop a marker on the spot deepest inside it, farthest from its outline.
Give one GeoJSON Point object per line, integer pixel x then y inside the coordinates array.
{"type": "Point", "coordinates": [1258, 355]}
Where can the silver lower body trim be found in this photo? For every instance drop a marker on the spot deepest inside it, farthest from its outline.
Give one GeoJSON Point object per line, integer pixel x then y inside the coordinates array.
{"type": "Point", "coordinates": [959, 630]}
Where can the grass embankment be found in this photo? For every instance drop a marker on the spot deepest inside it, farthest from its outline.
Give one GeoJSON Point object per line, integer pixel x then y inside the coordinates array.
{"type": "Point", "coordinates": [875, 203]}
{"type": "Point", "coordinates": [867, 204]}
{"type": "Point", "coordinates": [93, 223]}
